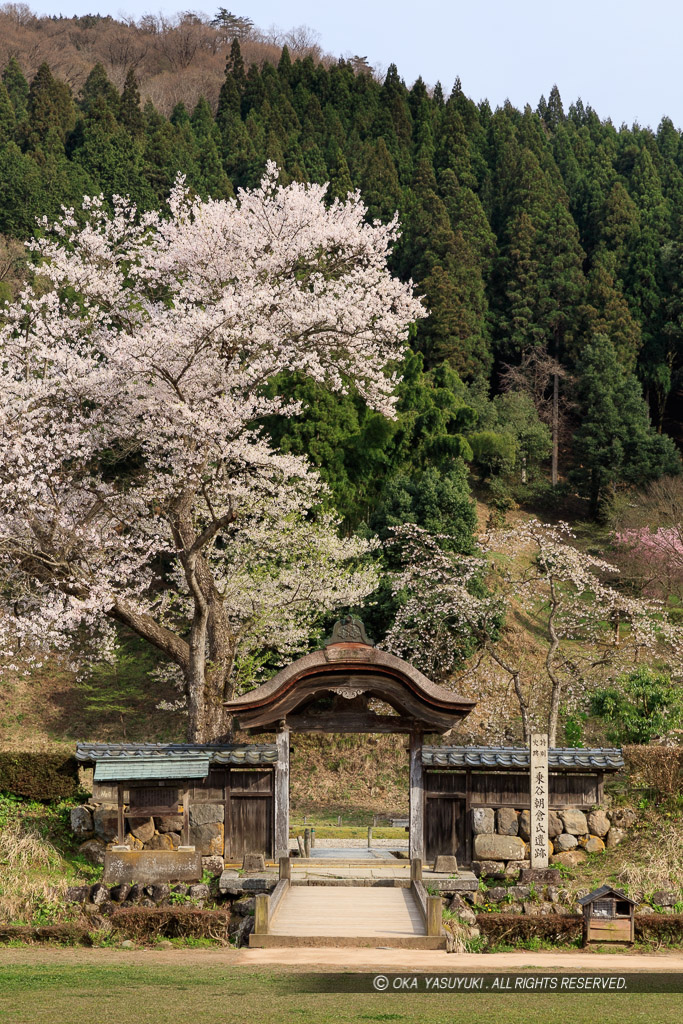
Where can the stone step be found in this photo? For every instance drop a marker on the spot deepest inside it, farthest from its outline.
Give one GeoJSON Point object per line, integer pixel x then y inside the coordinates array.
{"type": "Point", "coordinates": [365, 942]}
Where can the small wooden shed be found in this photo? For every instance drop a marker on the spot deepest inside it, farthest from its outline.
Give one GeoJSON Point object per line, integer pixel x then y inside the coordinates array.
{"type": "Point", "coordinates": [608, 916]}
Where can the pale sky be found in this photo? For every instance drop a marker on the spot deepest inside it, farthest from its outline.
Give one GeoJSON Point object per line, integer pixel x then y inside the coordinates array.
{"type": "Point", "coordinates": [623, 58]}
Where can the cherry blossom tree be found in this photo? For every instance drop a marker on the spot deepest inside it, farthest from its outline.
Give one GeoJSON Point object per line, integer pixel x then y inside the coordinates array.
{"type": "Point", "coordinates": [568, 597]}
{"type": "Point", "coordinates": [135, 484]}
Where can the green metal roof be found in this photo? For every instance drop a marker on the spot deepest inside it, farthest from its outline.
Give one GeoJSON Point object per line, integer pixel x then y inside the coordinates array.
{"type": "Point", "coordinates": [161, 759]}
{"type": "Point", "coordinates": [116, 769]}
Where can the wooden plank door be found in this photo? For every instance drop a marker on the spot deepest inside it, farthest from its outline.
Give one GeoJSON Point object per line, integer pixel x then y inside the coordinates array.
{"type": "Point", "coordinates": [445, 828]}
{"type": "Point", "coordinates": [248, 813]}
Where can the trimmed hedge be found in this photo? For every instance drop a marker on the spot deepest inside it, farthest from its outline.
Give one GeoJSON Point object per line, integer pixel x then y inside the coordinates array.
{"type": "Point", "coordinates": [39, 775]}
{"type": "Point", "coordinates": [667, 928]}
{"type": "Point", "coordinates": [516, 927]}
{"type": "Point", "coordinates": [149, 923]}
{"type": "Point", "coordinates": [70, 933]}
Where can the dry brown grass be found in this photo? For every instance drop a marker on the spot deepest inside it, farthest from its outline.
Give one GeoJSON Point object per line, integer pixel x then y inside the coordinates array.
{"type": "Point", "coordinates": [30, 878]}
{"type": "Point", "coordinates": [655, 861]}
{"type": "Point", "coordinates": [355, 776]}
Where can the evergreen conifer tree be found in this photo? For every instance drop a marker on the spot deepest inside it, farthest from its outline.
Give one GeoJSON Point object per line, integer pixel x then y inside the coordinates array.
{"type": "Point", "coordinates": [615, 441]}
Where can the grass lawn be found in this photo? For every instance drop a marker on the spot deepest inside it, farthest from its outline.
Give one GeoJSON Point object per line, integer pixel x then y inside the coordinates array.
{"type": "Point", "coordinates": [156, 994]}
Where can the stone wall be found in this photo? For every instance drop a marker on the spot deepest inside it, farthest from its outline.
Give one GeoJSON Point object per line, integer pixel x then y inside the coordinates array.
{"type": "Point", "coordinates": [97, 825]}
{"type": "Point", "coordinates": [501, 837]}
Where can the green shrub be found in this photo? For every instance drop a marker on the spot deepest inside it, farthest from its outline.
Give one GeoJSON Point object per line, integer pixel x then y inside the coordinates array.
{"type": "Point", "coordinates": [38, 775]}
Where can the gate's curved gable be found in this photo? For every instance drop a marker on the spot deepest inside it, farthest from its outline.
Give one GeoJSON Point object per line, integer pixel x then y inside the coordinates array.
{"type": "Point", "coordinates": [353, 672]}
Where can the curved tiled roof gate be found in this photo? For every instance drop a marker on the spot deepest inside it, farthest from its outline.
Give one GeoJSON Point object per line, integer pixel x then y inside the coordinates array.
{"type": "Point", "coordinates": [333, 689]}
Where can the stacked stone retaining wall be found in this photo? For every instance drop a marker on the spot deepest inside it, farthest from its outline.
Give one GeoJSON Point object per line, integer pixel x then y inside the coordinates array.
{"type": "Point", "coordinates": [502, 837]}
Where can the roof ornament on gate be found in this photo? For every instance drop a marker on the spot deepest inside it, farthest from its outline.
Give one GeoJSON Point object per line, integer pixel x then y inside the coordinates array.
{"type": "Point", "coordinates": [349, 630]}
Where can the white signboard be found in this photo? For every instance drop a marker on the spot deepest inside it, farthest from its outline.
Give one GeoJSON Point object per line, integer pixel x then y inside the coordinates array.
{"type": "Point", "coordinates": [538, 766]}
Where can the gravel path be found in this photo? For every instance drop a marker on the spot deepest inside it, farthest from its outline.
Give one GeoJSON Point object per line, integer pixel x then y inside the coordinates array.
{"type": "Point", "coordinates": [357, 844]}
{"type": "Point", "coordinates": [342, 959]}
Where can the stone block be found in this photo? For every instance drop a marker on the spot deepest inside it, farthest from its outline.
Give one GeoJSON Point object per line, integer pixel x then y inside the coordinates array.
{"type": "Point", "coordinates": [496, 894]}
{"type": "Point", "coordinates": [106, 823]}
{"type": "Point", "coordinates": [623, 817]}
{"type": "Point", "coordinates": [555, 826]}
{"type": "Point", "coordinates": [524, 825]}
{"type": "Point", "coordinates": [593, 844]}
{"type": "Point", "coordinates": [141, 828]}
{"type": "Point", "coordinates": [571, 858]}
{"type": "Point", "coordinates": [149, 867]}
{"type": "Point", "coordinates": [446, 864]}
{"type": "Point", "coordinates": [158, 893]}
{"type": "Point", "coordinates": [544, 876]}
{"type": "Point", "coordinates": [228, 879]}
{"type": "Point", "coordinates": [206, 814]}
{"type": "Point", "coordinates": [492, 847]}
{"type": "Point", "coordinates": [538, 909]}
{"type": "Point", "coordinates": [254, 862]}
{"type": "Point", "coordinates": [199, 891]}
{"type": "Point", "coordinates": [488, 868]}
{"type": "Point", "coordinates": [664, 898]}
{"type": "Point", "coordinates": [564, 842]}
{"type": "Point", "coordinates": [520, 892]}
{"type": "Point", "coordinates": [81, 821]}
{"type": "Point", "coordinates": [207, 839]}
{"type": "Point", "coordinates": [614, 837]}
{"type": "Point", "coordinates": [574, 821]}
{"type": "Point", "coordinates": [506, 821]}
{"type": "Point", "coordinates": [77, 894]}
{"type": "Point", "coordinates": [246, 905]}
{"type": "Point", "coordinates": [93, 850]}
{"type": "Point", "coordinates": [465, 913]}
{"type": "Point", "coordinates": [160, 841]}
{"type": "Point", "coordinates": [120, 893]}
{"type": "Point", "coordinates": [98, 893]}
{"type": "Point", "coordinates": [483, 821]}
{"type": "Point", "coordinates": [169, 823]}
{"type": "Point", "coordinates": [214, 864]}
{"type": "Point", "coordinates": [598, 823]}
{"type": "Point", "coordinates": [263, 885]}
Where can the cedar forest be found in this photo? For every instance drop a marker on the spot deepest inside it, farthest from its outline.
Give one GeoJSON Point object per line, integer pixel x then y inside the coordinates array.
{"type": "Point", "coordinates": [547, 244]}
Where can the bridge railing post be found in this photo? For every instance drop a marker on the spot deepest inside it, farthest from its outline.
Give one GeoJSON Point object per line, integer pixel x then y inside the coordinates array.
{"type": "Point", "coordinates": [434, 915]}
{"type": "Point", "coordinates": [261, 914]}
{"type": "Point", "coordinates": [416, 869]}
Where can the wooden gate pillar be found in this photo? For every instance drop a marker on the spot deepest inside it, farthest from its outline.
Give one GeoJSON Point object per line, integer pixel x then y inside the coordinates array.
{"type": "Point", "coordinates": [416, 798]}
{"type": "Point", "coordinates": [281, 795]}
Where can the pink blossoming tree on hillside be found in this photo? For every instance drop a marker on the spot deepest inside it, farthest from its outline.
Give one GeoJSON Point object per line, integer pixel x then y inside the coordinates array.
{"type": "Point", "coordinates": [134, 486]}
{"type": "Point", "coordinates": [586, 626]}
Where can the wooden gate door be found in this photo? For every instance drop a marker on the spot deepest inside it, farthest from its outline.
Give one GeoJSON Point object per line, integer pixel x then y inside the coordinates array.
{"type": "Point", "coordinates": [248, 813]}
{"type": "Point", "coordinates": [445, 818]}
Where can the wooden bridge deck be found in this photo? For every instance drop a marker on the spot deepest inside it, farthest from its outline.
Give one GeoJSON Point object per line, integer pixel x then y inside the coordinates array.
{"type": "Point", "coordinates": [348, 915]}
{"type": "Point", "coordinates": [352, 911]}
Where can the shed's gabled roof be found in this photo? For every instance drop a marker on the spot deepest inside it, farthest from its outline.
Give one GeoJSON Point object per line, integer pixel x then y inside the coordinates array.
{"type": "Point", "coordinates": [604, 759]}
{"type": "Point", "coordinates": [233, 754]}
{"type": "Point", "coordinates": [605, 890]}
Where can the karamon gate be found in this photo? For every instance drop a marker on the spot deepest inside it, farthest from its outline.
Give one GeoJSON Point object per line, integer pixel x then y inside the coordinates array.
{"type": "Point", "coordinates": [351, 686]}
{"type": "Point", "coordinates": [230, 799]}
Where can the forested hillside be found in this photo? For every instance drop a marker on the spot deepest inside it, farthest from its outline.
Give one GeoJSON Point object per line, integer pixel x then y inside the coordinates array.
{"type": "Point", "coordinates": [545, 240]}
